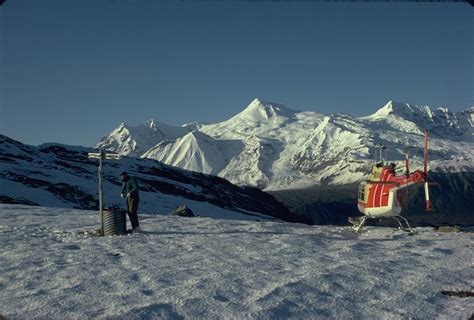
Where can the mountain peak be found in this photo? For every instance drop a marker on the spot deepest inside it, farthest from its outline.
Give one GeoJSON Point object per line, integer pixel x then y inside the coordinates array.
{"type": "Point", "coordinates": [260, 110]}
{"type": "Point", "coordinates": [191, 126]}
{"type": "Point", "coordinates": [122, 125]}
{"type": "Point", "coordinates": [151, 123]}
{"type": "Point", "coordinates": [402, 110]}
{"type": "Point", "coordinates": [197, 135]}
{"type": "Point", "coordinates": [393, 107]}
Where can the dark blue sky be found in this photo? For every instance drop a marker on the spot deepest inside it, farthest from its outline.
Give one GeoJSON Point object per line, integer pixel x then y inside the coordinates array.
{"type": "Point", "coordinates": [73, 70]}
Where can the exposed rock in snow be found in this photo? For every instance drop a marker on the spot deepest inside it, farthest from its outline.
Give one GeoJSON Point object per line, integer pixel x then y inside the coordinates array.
{"type": "Point", "coordinates": [183, 211]}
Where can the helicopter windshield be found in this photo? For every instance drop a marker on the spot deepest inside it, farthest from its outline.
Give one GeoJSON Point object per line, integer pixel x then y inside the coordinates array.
{"type": "Point", "coordinates": [362, 191]}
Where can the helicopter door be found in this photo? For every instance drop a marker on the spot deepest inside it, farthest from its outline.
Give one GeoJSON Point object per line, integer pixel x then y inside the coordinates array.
{"type": "Point", "coordinates": [361, 194]}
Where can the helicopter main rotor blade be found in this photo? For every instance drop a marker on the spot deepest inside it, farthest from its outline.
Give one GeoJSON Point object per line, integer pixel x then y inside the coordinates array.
{"type": "Point", "coordinates": [383, 182]}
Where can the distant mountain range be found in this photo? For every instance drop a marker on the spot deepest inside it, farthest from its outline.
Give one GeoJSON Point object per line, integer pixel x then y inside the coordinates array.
{"type": "Point", "coordinates": [58, 175]}
{"type": "Point", "coordinates": [273, 147]}
{"type": "Point", "coordinates": [310, 161]}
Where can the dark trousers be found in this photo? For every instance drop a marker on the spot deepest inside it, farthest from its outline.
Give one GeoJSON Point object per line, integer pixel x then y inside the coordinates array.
{"type": "Point", "coordinates": [132, 207]}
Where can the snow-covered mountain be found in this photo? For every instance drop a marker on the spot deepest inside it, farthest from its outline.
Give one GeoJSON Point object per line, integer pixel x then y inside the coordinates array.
{"type": "Point", "coordinates": [273, 147]}
{"type": "Point", "coordinates": [62, 176]}
{"type": "Point", "coordinates": [134, 141]}
{"type": "Point", "coordinates": [194, 151]}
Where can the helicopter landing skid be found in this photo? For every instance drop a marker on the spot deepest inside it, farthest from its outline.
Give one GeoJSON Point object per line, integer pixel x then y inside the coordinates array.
{"type": "Point", "coordinates": [359, 222]}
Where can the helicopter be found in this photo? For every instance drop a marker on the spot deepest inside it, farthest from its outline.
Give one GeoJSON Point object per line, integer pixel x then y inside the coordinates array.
{"type": "Point", "coordinates": [381, 195]}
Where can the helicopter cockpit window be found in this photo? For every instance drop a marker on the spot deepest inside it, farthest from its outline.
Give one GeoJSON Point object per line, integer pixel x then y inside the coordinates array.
{"type": "Point", "coordinates": [362, 191]}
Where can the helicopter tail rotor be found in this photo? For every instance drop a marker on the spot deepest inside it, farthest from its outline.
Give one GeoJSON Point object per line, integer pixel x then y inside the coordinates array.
{"type": "Point", "coordinates": [427, 191]}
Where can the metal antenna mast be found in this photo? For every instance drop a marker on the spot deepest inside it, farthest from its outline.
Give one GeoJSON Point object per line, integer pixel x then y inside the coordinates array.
{"type": "Point", "coordinates": [102, 156]}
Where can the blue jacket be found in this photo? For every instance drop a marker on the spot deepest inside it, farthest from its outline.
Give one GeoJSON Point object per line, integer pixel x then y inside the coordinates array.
{"type": "Point", "coordinates": [130, 186]}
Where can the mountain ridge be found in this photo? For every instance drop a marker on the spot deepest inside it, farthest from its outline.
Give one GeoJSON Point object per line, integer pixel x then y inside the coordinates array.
{"type": "Point", "coordinates": [57, 175]}
{"type": "Point", "coordinates": [275, 147]}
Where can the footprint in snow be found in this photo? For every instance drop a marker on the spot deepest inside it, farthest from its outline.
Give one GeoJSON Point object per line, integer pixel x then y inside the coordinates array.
{"type": "Point", "coordinates": [153, 311]}
{"type": "Point", "coordinates": [443, 251]}
{"type": "Point", "coordinates": [147, 292]}
{"type": "Point", "coordinates": [221, 298]}
{"type": "Point", "coordinates": [72, 247]}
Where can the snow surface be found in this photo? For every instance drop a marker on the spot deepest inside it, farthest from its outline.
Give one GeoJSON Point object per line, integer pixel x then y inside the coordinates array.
{"type": "Point", "coordinates": [273, 147]}
{"type": "Point", "coordinates": [188, 268]}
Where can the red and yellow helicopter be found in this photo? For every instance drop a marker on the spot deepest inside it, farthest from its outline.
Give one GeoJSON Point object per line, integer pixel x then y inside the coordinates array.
{"type": "Point", "coordinates": [381, 195]}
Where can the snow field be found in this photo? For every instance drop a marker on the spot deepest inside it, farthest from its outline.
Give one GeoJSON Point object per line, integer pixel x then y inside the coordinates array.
{"type": "Point", "coordinates": [208, 268]}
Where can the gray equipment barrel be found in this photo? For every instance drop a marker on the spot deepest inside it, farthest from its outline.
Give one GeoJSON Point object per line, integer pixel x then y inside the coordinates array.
{"type": "Point", "coordinates": [114, 222]}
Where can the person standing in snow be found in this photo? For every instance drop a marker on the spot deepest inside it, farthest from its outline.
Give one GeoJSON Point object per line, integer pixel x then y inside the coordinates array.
{"type": "Point", "coordinates": [130, 192]}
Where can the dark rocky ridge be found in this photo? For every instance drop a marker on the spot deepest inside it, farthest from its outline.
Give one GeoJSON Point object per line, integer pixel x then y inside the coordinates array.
{"type": "Point", "coordinates": [70, 178]}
